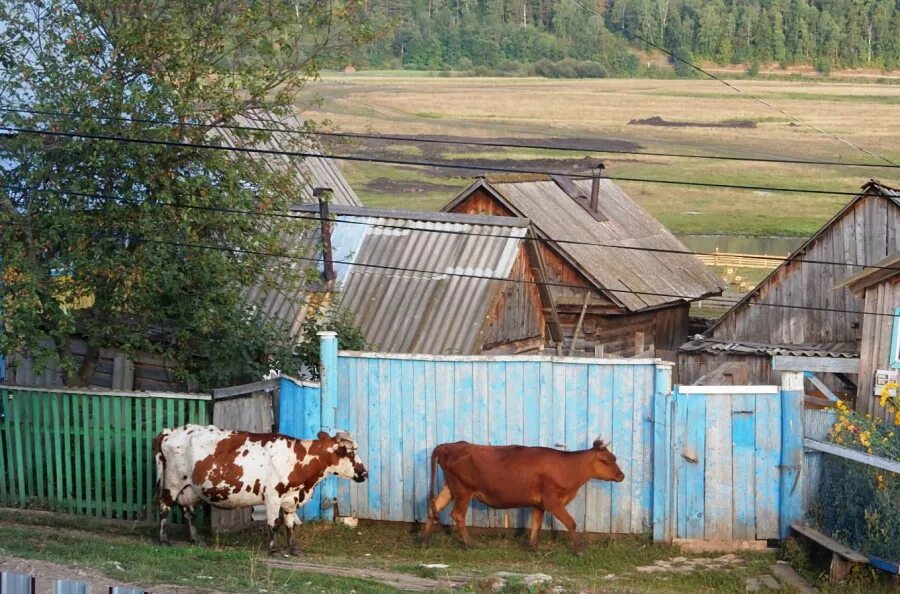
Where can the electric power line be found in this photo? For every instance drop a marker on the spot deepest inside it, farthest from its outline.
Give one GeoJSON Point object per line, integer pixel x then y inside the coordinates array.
{"type": "Point", "coordinates": [310, 217]}
{"type": "Point", "coordinates": [443, 274]}
{"type": "Point", "coordinates": [421, 140]}
{"type": "Point", "coordinates": [367, 159]}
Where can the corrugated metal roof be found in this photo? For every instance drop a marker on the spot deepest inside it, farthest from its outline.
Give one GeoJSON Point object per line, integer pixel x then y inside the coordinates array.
{"type": "Point", "coordinates": [870, 188]}
{"type": "Point", "coordinates": [414, 304]}
{"type": "Point", "coordinates": [556, 215]}
{"type": "Point", "coordinates": [311, 172]}
{"type": "Point", "coordinates": [831, 349]}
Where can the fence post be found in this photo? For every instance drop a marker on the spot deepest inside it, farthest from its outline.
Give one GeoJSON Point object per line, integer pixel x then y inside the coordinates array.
{"type": "Point", "coordinates": [791, 492]}
{"type": "Point", "coordinates": [328, 378]}
{"type": "Point", "coordinates": [662, 454]}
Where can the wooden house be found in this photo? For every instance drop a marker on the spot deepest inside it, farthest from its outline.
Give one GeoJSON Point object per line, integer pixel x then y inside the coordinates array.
{"type": "Point", "coordinates": [419, 282]}
{"type": "Point", "coordinates": [794, 311]}
{"type": "Point", "coordinates": [613, 282]}
{"type": "Point", "coordinates": [878, 288]}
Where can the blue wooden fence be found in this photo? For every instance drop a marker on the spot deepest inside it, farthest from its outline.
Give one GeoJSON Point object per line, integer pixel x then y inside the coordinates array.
{"type": "Point", "coordinates": [399, 407]}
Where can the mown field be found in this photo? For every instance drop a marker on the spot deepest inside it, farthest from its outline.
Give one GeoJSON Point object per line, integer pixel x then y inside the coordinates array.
{"type": "Point", "coordinates": [708, 119]}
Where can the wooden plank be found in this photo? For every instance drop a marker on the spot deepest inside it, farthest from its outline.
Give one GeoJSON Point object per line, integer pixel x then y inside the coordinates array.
{"type": "Point", "coordinates": [238, 391]}
{"type": "Point", "coordinates": [718, 494]}
{"type": "Point", "coordinates": [829, 543]}
{"type": "Point", "coordinates": [408, 371]}
{"type": "Point", "coordinates": [662, 455]}
{"type": "Point", "coordinates": [820, 385]}
{"type": "Point", "coordinates": [497, 421]}
{"type": "Point", "coordinates": [815, 364]}
{"type": "Point", "coordinates": [377, 419]}
{"type": "Point", "coordinates": [128, 443]}
{"type": "Point", "coordinates": [47, 430]}
{"type": "Point", "coordinates": [743, 475]}
{"type": "Point", "coordinates": [58, 460]}
{"type": "Point", "coordinates": [68, 441]}
{"type": "Point", "coordinates": [125, 394]}
{"type": "Point", "coordinates": [419, 442]}
{"type": "Point", "coordinates": [856, 456]}
{"type": "Point", "coordinates": [727, 390]}
{"type": "Point", "coordinates": [36, 469]}
{"type": "Point", "coordinates": [622, 446]}
{"type": "Point", "coordinates": [17, 409]}
{"type": "Point", "coordinates": [481, 515]}
{"type": "Point", "coordinates": [641, 440]}
{"type": "Point", "coordinates": [445, 391]}
{"type": "Point", "coordinates": [767, 460]}
{"type": "Point", "coordinates": [576, 431]}
{"type": "Point", "coordinates": [790, 500]}
{"type": "Point", "coordinates": [693, 461]}
{"type": "Point", "coordinates": [4, 448]}
{"type": "Point", "coordinates": [109, 428]}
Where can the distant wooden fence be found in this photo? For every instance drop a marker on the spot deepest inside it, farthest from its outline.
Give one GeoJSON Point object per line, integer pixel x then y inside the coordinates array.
{"type": "Point", "coordinates": [740, 260]}
{"type": "Point", "coordinates": [86, 452]}
{"type": "Point", "coordinates": [718, 464]}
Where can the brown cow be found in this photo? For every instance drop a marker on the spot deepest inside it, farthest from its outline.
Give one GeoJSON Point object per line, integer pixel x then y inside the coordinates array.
{"type": "Point", "coordinates": [236, 469]}
{"type": "Point", "coordinates": [515, 476]}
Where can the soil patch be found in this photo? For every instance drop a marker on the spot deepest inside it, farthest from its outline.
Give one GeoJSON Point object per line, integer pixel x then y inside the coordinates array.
{"type": "Point", "coordinates": [658, 121]}
{"type": "Point", "coordinates": [384, 185]}
{"type": "Point", "coordinates": [401, 581]}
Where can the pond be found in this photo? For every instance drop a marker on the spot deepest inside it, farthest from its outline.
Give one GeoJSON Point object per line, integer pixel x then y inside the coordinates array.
{"type": "Point", "coordinates": [742, 244]}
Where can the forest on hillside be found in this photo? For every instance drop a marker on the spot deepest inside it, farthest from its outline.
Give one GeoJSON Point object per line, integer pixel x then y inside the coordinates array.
{"type": "Point", "coordinates": [594, 38]}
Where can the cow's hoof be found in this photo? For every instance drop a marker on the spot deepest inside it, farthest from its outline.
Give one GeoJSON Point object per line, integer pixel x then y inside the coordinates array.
{"type": "Point", "coordinates": [164, 543]}
{"type": "Point", "coordinates": [294, 553]}
{"type": "Point", "coordinates": [470, 546]}
{"type": "Point", "coordinates": [272, 552]}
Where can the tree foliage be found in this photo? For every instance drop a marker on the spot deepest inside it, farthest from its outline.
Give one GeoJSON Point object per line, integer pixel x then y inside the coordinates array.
{"type": "Point", "coordinates": [444, 33]}
{"type": "Point", "coordinates": [89, 240]}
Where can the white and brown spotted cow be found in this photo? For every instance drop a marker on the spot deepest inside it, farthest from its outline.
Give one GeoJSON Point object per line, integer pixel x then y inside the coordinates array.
{"type": "Point", "coordinates": [236, 469]}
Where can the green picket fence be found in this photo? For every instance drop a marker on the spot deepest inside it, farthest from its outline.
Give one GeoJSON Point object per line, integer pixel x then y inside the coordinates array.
{"type": "Point", "coordinates": [85, 452]}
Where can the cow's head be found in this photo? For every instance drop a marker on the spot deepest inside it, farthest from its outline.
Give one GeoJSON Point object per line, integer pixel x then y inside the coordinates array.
{"type": "Point", "coordinates": [603, 465]}
{"type": "Point", "coordinates": [345, 459]}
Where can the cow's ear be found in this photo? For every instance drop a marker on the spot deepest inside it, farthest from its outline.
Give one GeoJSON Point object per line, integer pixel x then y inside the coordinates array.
{"type": "Point", "coordinates": [599, 445]}
{"type": "Point", "coordinates": [323, 435]}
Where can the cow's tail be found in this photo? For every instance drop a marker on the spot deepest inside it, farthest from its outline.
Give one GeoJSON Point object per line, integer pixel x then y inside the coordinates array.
{"type": "Point", "coordinates": [160, 460]}
{"type": "Point", "coordinates": [432, 509]}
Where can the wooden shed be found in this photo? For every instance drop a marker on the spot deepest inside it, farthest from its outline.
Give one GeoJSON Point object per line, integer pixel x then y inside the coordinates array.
{"type": "Point", "coordinates": [616, 284]}
{"type": "Point", "coordinates": [421, 282]}
{"type": "Point", "coordinates": [794, 311]}
{"type": "Point", "coordinates": [879, 290]}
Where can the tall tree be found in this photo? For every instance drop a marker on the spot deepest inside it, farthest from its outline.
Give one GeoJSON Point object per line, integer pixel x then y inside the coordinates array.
{"type": "Point", "coordinates": [89, 239]}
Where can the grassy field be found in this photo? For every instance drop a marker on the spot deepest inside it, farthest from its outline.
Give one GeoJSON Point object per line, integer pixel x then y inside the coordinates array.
{"type": "Point", "coordinates": [597, 113]}
{"type": "Point", "coordinates": [236, 563]}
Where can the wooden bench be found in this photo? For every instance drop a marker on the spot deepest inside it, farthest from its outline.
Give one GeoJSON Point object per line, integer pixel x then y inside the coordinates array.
{"type": "Point", "coordinates": [842, 558]}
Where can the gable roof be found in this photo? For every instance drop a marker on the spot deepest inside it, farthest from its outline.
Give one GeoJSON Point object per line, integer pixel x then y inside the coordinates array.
{"type": "Point", "coordinates": [880, 271]}
{"type": "Point", "coordinates": [870, 188]}
{"type": "Point", "coordinates": [634, 279]}
{"type": "Point", "coordinates": [397, 273]}
{"type": "Point", "coordinates": [310, 172]}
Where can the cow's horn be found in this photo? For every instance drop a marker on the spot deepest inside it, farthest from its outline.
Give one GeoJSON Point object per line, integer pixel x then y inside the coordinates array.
{"type": "Point", "coordinates": [598, 443]}
{"type": "Point", "coordinates": [342, 436]}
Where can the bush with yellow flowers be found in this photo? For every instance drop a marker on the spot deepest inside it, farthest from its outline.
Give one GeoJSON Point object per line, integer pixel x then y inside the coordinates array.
{"type": "Point", "coordinates": [858, 504]}
{"type": "Point", "coordinates": [871, 434]}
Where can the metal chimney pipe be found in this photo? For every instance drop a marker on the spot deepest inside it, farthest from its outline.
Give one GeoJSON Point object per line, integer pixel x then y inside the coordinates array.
{"type": "Point", "coordinates": [595, 187]}
{"type": "Point", "coordinates": [324, 196]}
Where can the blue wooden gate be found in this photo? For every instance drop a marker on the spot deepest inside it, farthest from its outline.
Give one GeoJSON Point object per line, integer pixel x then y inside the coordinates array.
{"type": "Point", "coordinates": [399, 407]}
{"type": "Point", "coordinates": [735, 464]}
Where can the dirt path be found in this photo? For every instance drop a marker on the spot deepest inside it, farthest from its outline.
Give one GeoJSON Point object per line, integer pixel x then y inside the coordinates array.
{"type": "Point", "coordinates": [401, 581]}
{"type": "Point", "coordinates": [46, 573]}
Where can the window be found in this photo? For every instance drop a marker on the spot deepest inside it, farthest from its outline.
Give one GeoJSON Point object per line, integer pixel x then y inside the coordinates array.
{"type": "Point", "coordinates": [895, 341]}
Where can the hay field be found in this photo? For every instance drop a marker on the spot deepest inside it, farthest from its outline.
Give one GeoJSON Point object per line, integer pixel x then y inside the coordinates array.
{"type": "Point", "coordinates": [711, 118]}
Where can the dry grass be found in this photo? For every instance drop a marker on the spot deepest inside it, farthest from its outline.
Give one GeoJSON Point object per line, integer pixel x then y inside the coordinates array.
{"type": "Point", "coordinates": [864, 114]}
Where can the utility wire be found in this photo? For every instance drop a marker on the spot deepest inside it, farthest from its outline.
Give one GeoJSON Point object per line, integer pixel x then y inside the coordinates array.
{"type": "Point", "coordinates": [356, 216]}
{"type": "Point", "coordinates": [737, 89]}
{"type": "Point", "coordinates": [366, 159]}
{"type": "Point", "coordinates": [438, 273]}
{"type": "Point", "coordinates": [421, 140]}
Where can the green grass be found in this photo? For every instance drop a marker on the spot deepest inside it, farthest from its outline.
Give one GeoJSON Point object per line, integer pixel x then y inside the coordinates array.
{"type": "Point", "coordinates": [235, 561]}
